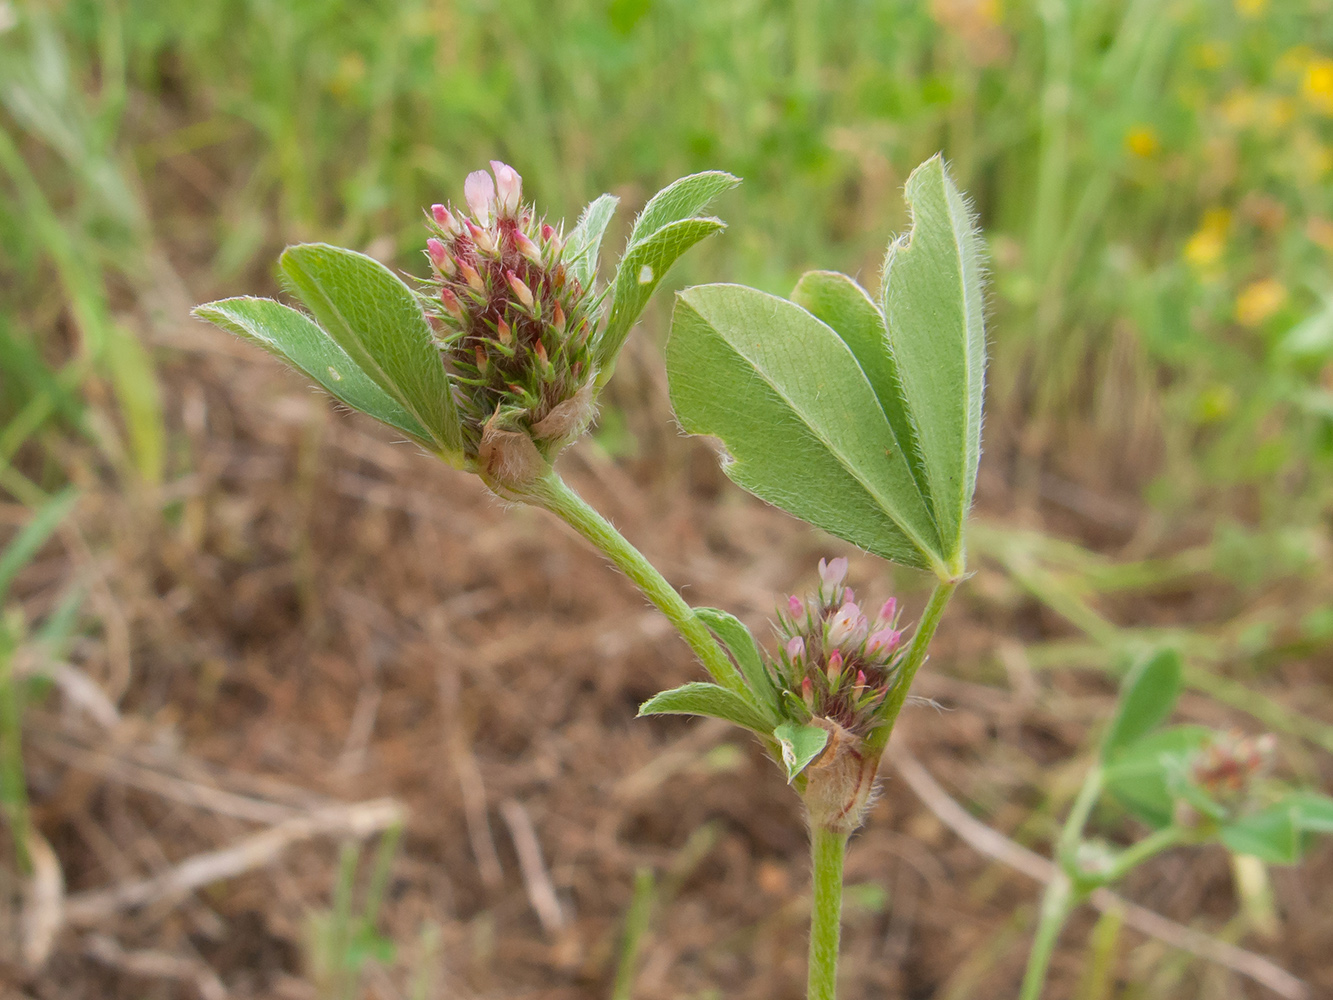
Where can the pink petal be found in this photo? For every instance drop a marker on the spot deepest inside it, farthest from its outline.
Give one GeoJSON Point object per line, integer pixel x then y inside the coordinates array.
{"type": "Point", "coordinates": [479, 190]}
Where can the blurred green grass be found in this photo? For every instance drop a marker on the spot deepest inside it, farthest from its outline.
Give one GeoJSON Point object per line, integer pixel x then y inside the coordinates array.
{"type": "Point", "coordinates": [1154, 179]}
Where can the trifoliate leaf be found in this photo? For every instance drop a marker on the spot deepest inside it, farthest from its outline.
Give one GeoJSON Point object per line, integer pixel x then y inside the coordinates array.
{"type": "Point", "coordinates": [298, 340]}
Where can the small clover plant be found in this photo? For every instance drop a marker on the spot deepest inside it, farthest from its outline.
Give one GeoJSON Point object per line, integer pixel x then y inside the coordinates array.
{"type": "Point", "coordinates": [1188, 784]}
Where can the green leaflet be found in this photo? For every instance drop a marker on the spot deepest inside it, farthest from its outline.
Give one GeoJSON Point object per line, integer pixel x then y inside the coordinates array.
{"type": "Point", "coordinates": [745, 651]}
{"type": "Point", "coordinates": [799, 745]}
{"type": "Point", "coordinates": [801, 423]}
{"type": "Point", "coordinates": [846, 307]}
{"type": "Point", "coordinates": [667, 227]}
{"type": "Point", "coordinates": [1281, 833]}
{"type": "Point", "coordinates": [1148, 776]}
{"type": "Point", "coordinates": [584, 242]}
{"type": "Point", "coordinates": [681, 199]}
{"type": "Point", "coordinates": [931, 299]}
{"type": "Point", "coordinates": [639, 273]}
{"type": "Point", "coordinates": [1147, 697]}
{"type": "Point", "coordinates": [378, 321]}
{"type": "Point", "coordinates": [298, 340]}
{"type": "Point", "coordinates": [702, 698]}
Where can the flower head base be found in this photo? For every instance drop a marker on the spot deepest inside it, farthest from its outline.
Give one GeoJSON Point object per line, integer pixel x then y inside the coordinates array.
{"type": "Point", "coordinates": [513, 326]}
{"type": "Point", "coordinates": [834, 661]}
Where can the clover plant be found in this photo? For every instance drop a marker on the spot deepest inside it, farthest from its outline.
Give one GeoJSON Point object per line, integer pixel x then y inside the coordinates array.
{"type": "Point", "coordinates": [858, 413]}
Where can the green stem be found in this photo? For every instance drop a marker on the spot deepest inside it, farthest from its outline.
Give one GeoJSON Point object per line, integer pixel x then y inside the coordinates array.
{"type": "Point", "coordinates": [1132, 857]}
{"type": "Point", "coordinates": [554, 494]}
{"type": "Point", "coordinates": [916, 655]}
{"type": "Point", "coordinates": [1056, 905]}
{"type": "Point", "coordinates": [1072, 833]}
{"type": "Point", "coordinates": [827, 848]}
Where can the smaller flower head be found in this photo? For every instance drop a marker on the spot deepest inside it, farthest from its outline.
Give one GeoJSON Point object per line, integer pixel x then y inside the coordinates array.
{"type": "Point", "coordinates": [834, 663]}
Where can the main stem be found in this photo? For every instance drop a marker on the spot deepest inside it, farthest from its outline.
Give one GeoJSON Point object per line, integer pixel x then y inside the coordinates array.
{"type": "Point", "coordinates": [556, 496]}
{"type": "Point", "coordinates": [827, 848]}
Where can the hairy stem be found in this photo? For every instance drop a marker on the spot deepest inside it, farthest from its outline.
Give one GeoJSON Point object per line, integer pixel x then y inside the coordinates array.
{"type": "Point", "coordinates": [916, 655]}
{"type": "Point", "coordinates": [827, 848]}
{"type": "Point", "coordinates": [554, 494]}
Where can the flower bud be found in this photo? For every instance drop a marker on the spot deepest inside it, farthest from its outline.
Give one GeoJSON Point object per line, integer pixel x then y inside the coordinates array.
{"type": "Point", "coordinates": [451, 303]}
{"type": "Point", "coordinates": [883, 642]}
{"type": "Point", "coordinates": [527, 248]}
{"type": "Point", "coordinates": [795, 606]}
{"type": "Point", "coordinates": [444, 219]}
{"type": "Point", "coordinates": [471, 276]}
{"type": "Point", "coordinates": [795, 648]}
{"type": "Point", "coordinates": [834, 667]}
{"type": "Point", "coordinates": [481, 237]}
{"type": "Point", "coordinates": [522, 291]}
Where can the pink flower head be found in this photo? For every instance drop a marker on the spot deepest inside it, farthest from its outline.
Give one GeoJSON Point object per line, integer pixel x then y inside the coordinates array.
{"type": "Point", "coordinates": [510, 187]}
{"type": "Point", "coordinates": [795, 648]}
{"type": "Point", "coordinates": [887, 612]}
{"type": "Point", "coordinates": [883, 642]}
{"type": "Point", "coordinates": [438, 254]}
{"type": "Point", "coordinates": [795, 606]}
{"type": "Point", "coordinates": [833, 573]}
{"type": "Point", "coordinates": [442, 216]}
{"type": "Point", "coordinates": [847, 626]}
{"type": "Point", "coordinates": [479, 190]}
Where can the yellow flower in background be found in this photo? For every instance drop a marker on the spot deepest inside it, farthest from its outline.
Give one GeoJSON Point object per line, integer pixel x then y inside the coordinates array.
{"type": "Point", "coordinates": [1251, 8]}
{"type": "Point", "coordinates": [1259, 301]}
{"type": "Point", "coordinates": [1211, 54]}
{"type": "Point", "coordinates": [1142, 141]}
{"type": "Point", "coordinates": [1318, 84]}
{"type": "Point", "coordinates": [1205, 247]}
{"type": "Point", "coordinates": [1293, 62]}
